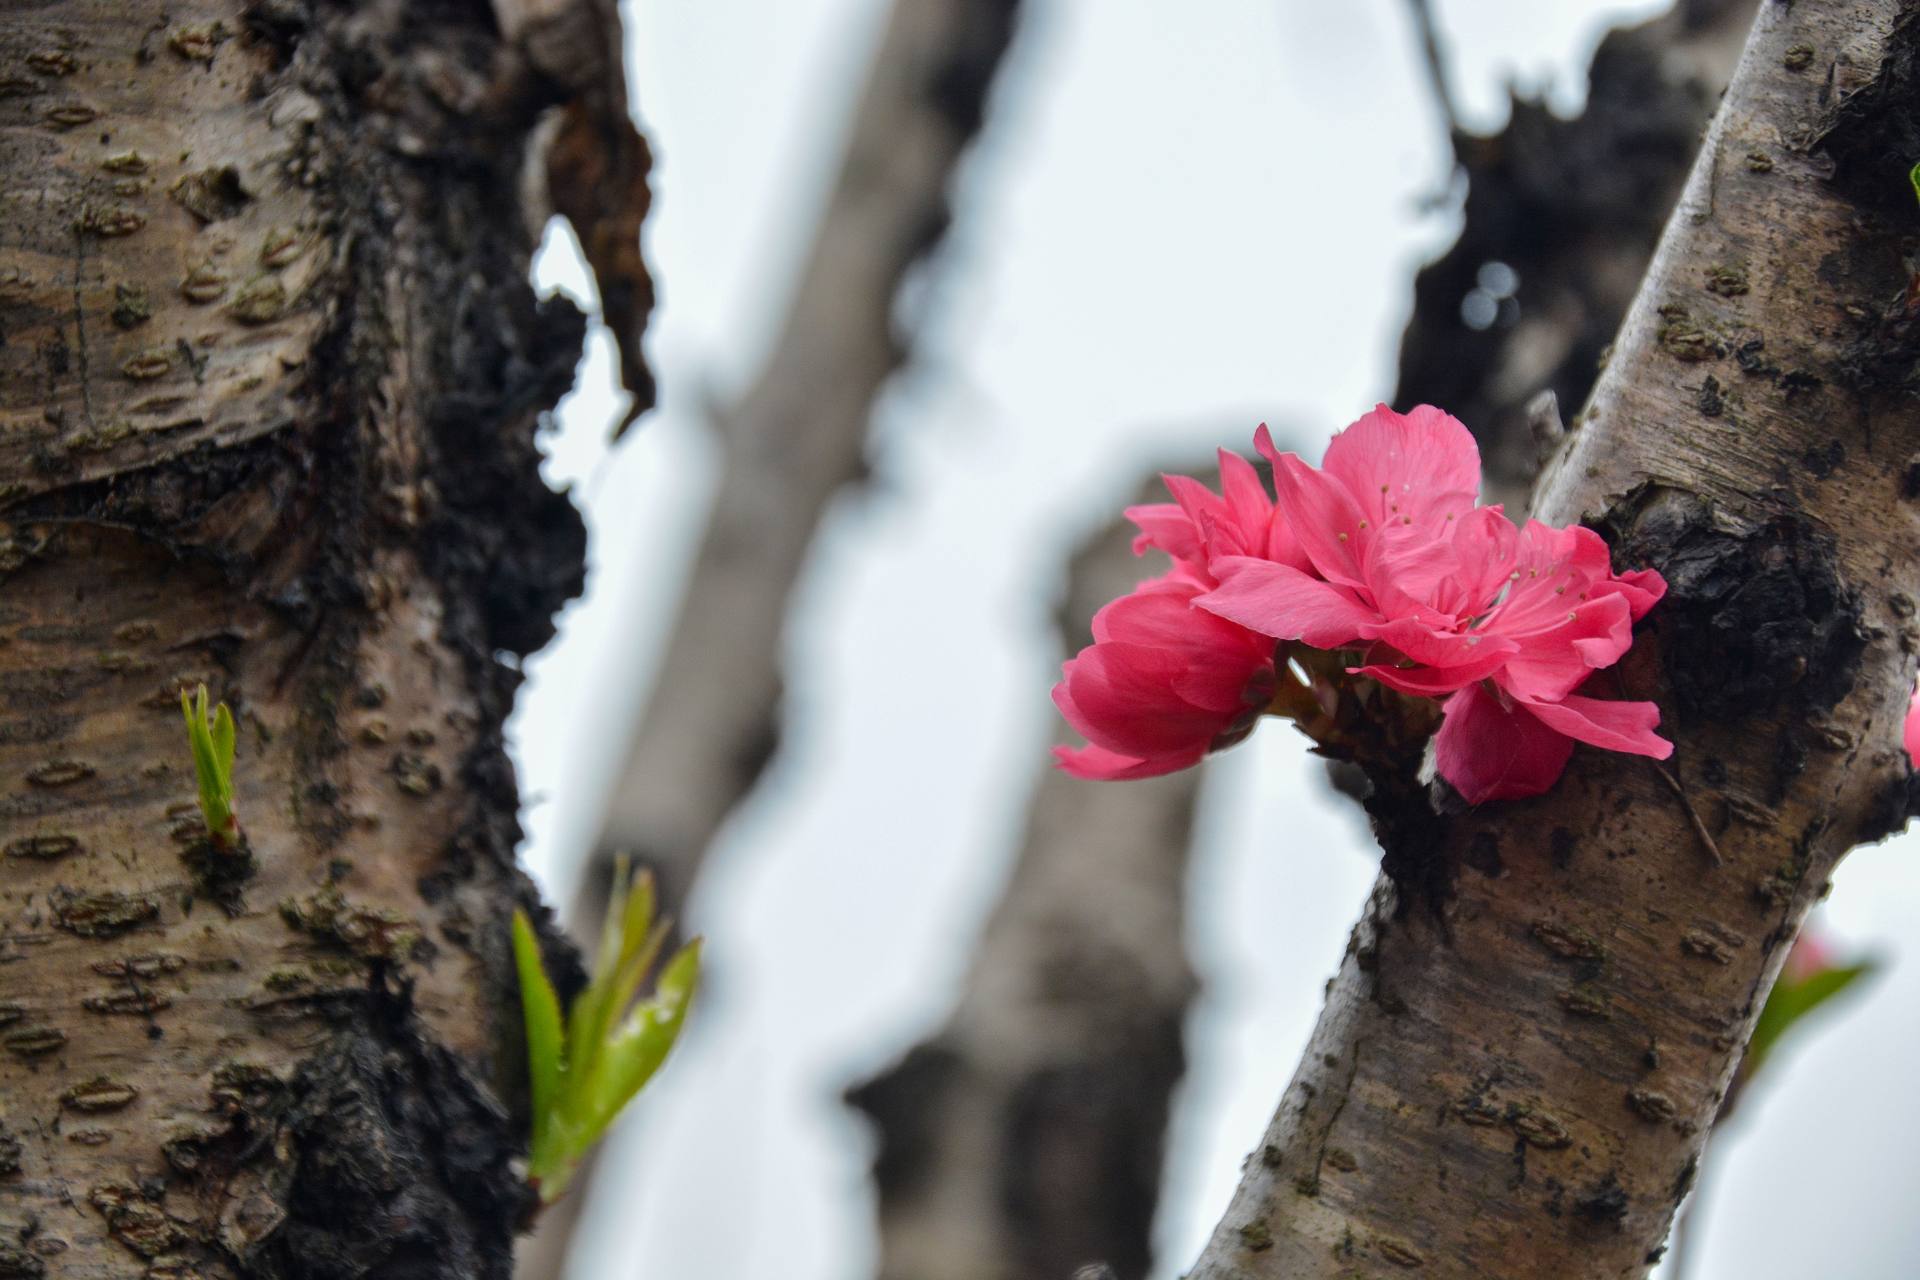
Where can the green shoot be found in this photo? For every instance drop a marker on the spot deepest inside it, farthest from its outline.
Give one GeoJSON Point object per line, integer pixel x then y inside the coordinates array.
{"type": "Point", "coordinates": [586, 1067]}
{"type": "Point", "coordinates": [212, 738]}
{"type": "Point", "coordinates": [1913, 176]}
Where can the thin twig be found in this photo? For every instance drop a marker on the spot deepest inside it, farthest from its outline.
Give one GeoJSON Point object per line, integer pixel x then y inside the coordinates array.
{"type": "Point", "coordinates": [1693, 815]}
{"type": "Point", "coordinates": [1436, 64]}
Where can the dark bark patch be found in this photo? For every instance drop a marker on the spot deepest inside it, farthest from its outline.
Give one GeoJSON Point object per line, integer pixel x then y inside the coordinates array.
{"type": "Point", "coordinates": [1531, 207]}
{"type": "Point", "coordinates": [18, 1264]}
{"type": "Point", "coordinates": [219, 874]}
{"type": "Point", "coordinates": [904, 1103]}
{"type": "Point", "coordinates": [1483, 854]}
{"type": "Point", "coordinates": [1605, 1202]}
{"type": "Point", "coordinates": [1889, 809]}
{"type": "Point", "coordinates": [1749, 618]}
{"type": "Point", "coordinates": [958, 87]}
{"type": "Point", "coordinates": [377, 1156]}
{"type": "Point", "coordinates": [211, 195]}
{"type": "Point", "coordinates": [1872, 136]}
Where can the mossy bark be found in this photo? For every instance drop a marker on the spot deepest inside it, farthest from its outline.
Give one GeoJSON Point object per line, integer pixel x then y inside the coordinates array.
{"type": "Point", "coordinates": [1527, 1041]}
{"type": "Point", "coordinates": [270, 373]}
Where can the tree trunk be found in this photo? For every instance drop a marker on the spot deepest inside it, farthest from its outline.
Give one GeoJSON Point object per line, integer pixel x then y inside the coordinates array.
{"type": "Point", "coordinates": [1027, 1136]}
{"type": "Point", "coordinates": [1524, 1048]}
{"type": "Point", "coordinates": [270, 371]}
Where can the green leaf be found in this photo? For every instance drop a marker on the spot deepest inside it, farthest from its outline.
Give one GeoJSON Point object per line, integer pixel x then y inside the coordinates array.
{"type": "Point", "coordinates": [1789, 1003]}
{"type": "Point", "coordinates": [211, 741]}
{"type": "Point", "coordinates": [636, 1050]}
{"type": "Point", "coordinates": [585, 1068]}
{"type": "Point", "coordinates": [597, 1006]}
{"type": "Point", "coordinates": [540, 1006]}
{"type": "Point", "coordinates": [223, 742]}
{"type": "Point", "coordinates": [1913, 176]}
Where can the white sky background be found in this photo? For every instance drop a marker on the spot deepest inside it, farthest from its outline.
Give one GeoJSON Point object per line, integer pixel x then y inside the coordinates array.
{"type": "Point", "coordinates": [1187, 217]}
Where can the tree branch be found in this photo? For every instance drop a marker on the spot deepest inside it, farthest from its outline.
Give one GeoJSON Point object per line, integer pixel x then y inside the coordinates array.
{"type": "Point", "coordinates": [798, 437]}
{"type": "Point", "coordinates": [789, 448]}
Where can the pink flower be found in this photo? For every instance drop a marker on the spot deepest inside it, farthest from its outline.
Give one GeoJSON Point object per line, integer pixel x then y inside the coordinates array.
{"type": "Point", "coordinates": [1448, 600]}
{"type": "Point", "coordinates": [1911, 735]}
{"type": "Point", "coordinates": [1164, 683]}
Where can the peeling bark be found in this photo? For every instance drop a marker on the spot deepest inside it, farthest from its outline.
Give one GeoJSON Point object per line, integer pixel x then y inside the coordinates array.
{"type": "Point", "coordinates": [1524, 1048]}
{"type": "Point", "coordinates": [270, 371]}
{"type": "Point", "coordinates": [1027, 1135]}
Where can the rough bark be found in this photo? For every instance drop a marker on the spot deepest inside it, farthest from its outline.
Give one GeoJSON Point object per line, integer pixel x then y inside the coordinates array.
{"type": "Point", "coordinates": [797, 439]}
{"type": "Point", "coordinates": [1523, 1050]}
{"type": "Point", "coordinates": [1573, 207]}
{"type": "Point", "coordinates": [270, 371]}
{"type": "Point", "coordinates": [1027, 1135]}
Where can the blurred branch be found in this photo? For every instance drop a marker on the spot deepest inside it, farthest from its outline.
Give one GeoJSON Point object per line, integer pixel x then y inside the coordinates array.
{"type": "Point", "coordinates": [790, 446]}
{"type": "Point", "coordinates": [797, 438]}
{"type": "Point", "coordinates": [1561, 218]}
{"type": "Point", "coordinates": [1026, 1136]}
{"type": "Point", "coordinates": [1436, 60]}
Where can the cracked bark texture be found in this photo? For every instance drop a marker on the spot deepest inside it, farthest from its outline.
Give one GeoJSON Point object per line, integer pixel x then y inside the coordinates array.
{"type": "Point", "coordinates": [1523, 1050]}
{"type": "Point", "coordinates": [1027, 1135]}
{"type": "Point", "coordinates": [270, 372]}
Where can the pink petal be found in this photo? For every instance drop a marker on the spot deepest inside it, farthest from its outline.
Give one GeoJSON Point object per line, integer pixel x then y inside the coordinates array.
{"type": "Point", "coordinates": [1323, 518]}
{"type": "Point", "coordinates": [1485, 544]}
{"type": "Point", "coordinates": [1433, 682]}
{"type": "Point", "coordinates": [1279, 601]}
{"type": "Point", "coordinates": [1166, 526]}
{"type": "Point", "coordinates": [1246, 499]}
{"type": "Point", "coordinates": [1491, 752]}
{"type": "Point", "coordinates": [1435, 645]}
{"type": "Point", "coordinates": [1404, 567]}
{"type": "Point", "coordinates": [1617, 726]}
{"type": "Point", "coordinates": [1120, 696]}
{"type": "Point", "coordinates": [1910, 734]}
{"type": "Point", "coordinates": [1263, 444]}
{"type": "Point", "coordinates": [1097, 764]}
{"type": "Point", "coordinates": [1553, 663]}
{"type": "Point", "coordinates": [1422, 465]}
{"type": "Point", "coordinates": [1643, 589]}
{"type": "Point", "coordinates": [1202, 505]}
